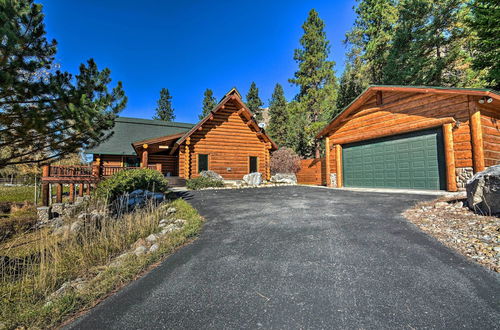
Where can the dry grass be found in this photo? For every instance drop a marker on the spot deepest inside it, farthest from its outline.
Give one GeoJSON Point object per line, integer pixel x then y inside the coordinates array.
{"type": "Point", "coordinates": [32, 274]}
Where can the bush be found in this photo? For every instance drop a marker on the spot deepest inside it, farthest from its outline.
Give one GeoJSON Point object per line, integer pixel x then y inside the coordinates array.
{"type": "Point", "coordinates": [130, 180]}
{"type": "Point", "coordinates": [285, 160]}
{"type": "Point", "coordinates": [203, 182]}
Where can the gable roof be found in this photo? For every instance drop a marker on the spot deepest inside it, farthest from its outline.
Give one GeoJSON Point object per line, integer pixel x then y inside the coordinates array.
{"type": "Point", "coordinates": [233, 94]}
{"type": "Point", "coordinates": [129, 130]}
{"type": "Point", "coordinates": [370, 91]}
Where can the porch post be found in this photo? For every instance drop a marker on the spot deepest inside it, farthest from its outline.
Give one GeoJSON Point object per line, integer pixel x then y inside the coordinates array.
{"type": "Point", "coordinates": [476, 135]}
{"type": "Point", "coordinates": [45, 186]}
{"type": "Point", "coordinates": [144, 162]}
{"type": "Point", "coordinates": [80, 191]}
{"type": "Point", "coordinates": [72, 192]}
{"type": "Point", "coordinates": [327, 160]}
{"type": "Point", "coordinates": [88, 189]}
{"type": "Point", "coordinates": [59, 193]}
{"type": "Point", "coordinates": [338, 165]}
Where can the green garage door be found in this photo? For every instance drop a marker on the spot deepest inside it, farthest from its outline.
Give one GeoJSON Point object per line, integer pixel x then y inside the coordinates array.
{"type": "Point", "coordinates": [412, 161]}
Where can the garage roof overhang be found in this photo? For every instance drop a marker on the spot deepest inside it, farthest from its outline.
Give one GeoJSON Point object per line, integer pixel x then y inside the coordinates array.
{"type": "Point", "coordinates": [372, 90]}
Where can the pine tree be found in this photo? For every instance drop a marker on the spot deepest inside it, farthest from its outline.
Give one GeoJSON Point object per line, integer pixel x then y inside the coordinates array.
{"type": "Point", "coordinates": [430, 45]}
{"type": "Point", "coordinates": [254, 102]}
{"type": "Point", "coordinates": [351, 86]}
{"type": "Point", "coordinates": [209, 102]}
{"type": "Point", "coordinates": [46, 114]}
{"type": "Point", "coordinates": [485, 23]}
{"type": "Point", "coordinates": [278, 117]}
{"type": "Point", "coordinates": [371, 36]}
{"type": "Point", "coordinates": [164, 110]}
{"type": "Point", "coordinates": [316, 80]}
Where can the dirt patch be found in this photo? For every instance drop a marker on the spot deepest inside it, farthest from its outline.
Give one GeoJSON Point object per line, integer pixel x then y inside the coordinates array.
{"type": "Point", "coordinates": [448, 220]}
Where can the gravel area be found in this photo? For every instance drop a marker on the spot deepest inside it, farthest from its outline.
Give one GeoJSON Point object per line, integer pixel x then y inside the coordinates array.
{"type": "Point", "coordinates": [453, 224]}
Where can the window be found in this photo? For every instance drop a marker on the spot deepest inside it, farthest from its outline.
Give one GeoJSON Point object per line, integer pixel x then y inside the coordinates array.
{"type": "Point", "coordinates": [132, 162]}
{"type": "Point", "coordinates": [202, 163]}
{"type": "Point", "coordinates": [253, 164]}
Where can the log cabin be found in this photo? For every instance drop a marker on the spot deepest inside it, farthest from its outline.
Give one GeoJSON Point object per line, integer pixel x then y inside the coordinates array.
{"type": "Point", "coordinates": [227, 141]}
{"type": "Point", "coordinates": [431, 138]}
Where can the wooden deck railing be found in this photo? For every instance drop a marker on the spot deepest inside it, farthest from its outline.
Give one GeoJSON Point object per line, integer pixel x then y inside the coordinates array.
{"type": "Point", "coordinates": [86, 173]}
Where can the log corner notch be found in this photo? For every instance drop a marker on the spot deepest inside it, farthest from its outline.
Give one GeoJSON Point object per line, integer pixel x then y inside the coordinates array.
{"type": "Point", "coordinates": [186, 158]}
{"type": "Point", "coordinates": [476, 135]}
{"type": "Point", "coordinates": [449, 151]}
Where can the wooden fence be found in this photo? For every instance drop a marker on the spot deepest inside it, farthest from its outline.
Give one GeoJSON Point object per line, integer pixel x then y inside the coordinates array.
{"type": "Point", "coordinates": [312, 171]}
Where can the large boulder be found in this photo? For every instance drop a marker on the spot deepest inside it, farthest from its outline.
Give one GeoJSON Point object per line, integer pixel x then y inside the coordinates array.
{"type": "Point", "coordinates": [483, 191]}
{"type": "Point", "coordinates": [253, 179]}
{"type": "Point", "coordinates": [288, 178]}
{"type": "Point", "coordinates": [211, 174]}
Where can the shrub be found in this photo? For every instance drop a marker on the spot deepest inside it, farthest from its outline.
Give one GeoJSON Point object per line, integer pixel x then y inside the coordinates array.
{"type": "Point", "coordinates": [203, 182]}
{"type": "Point", "coordinates": [130, 180]}
{"type": "Point", "coordinates": [285, 160]}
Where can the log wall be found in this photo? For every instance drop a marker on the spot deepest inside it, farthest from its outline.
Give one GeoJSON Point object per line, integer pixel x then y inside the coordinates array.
{"type": "Point", "coordinates": [229, 142]}
{"type": "Point", "coordinates": [490, 122]}
{"type": "Point", "coordinates": [312, 171]}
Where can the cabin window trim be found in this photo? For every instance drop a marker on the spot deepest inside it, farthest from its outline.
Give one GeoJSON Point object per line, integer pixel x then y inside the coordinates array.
{"type": "Point", "coordinates": [250, 164]}
{"type": "Point", "coordinates": [199, 163]}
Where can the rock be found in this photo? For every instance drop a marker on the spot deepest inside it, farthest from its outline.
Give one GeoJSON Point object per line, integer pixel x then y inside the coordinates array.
{"type": "Point", "coordinates": [171, 210]}
{"type": "Point", "coordinates": [483, 191]}
{"type": "Point", "coordinates": [138, 192]}
{"type": "Point", "coordinates": [75, 285]}
{"type": "Point", "coordinates": [211, 174]}
{"type": "Point", "coordinates": [169, 228]}
{"type": "Point", "coordinates": [83, 216]}
{"type": "Point", "coordinates": [151, 238]}
{"type": "Point", "coordinates": [43, 214]}
{"type": "Point", "coordinates": [79, 200]}
{"type": "Point", "coordinates": [76, 226]}
{"type": "Point", "coordinates": [140, 250]}
{"type": "Point", "coordinates": [154, 248]}
{"type": "Point", "coordinates": [57, 209]}
{"type": "Point", "coordinates": [441, 204]}
{"type": "Point", "coordinates": [164, 221]}
{"type": "Point", "coordinates": [138, 243]}
{"type": "Point", "coordinates": [253, 179]}
{"type": "Point", "coordinates": [288, 178]}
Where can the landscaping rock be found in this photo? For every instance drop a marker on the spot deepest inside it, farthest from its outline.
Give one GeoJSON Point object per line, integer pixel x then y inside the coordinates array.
{"type": "Point", "coordinates": [151, 238]}
{"type": "Point", "coordinates": [140, 250]}
{"type": "Point", "coordinates": [57, 209]}
{"type": "Point", "coordinates": [288, 178]}
{"type": "Point", "coordinates": [171, 210]}
{"type": "Point", "coordinates": [154, 248]}
{"type": "Point", "coordinates": [180, 222]}
{"type": "Point", "coordinates": [67, 287]}
{"type": "Point", "coordinates": [139, 242]}
{"type": "Point", "coordinates": [43, 214]}
{"type": "Point", "coordinates": [253, 179]}
{"type": "Point", "coordinates": [56, 222]}
{"type": "Point", "coordinates": [139, 198]}
{"type": "Point", "coordinates": [483, 191]}
{"type": "Point", "coordinates": [211, 174]}
{"type": "Point", "coordinates": [169, 228]}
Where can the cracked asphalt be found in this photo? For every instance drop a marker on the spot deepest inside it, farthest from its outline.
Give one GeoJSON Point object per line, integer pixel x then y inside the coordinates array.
{"type": "Point", "coordinates": [305, 257]}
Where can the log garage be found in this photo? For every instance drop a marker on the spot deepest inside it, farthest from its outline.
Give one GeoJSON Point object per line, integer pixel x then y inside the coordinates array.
{"type": "Point", "coordinates": [413, 137]}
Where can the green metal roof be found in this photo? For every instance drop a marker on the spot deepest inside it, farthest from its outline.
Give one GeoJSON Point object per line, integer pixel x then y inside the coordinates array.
{"type": "Point", "coordinates": [128, 130]}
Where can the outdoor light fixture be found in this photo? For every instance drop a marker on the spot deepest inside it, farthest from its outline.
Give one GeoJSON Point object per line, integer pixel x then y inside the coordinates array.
{"type": "Point", "coordinates": [485, 99]}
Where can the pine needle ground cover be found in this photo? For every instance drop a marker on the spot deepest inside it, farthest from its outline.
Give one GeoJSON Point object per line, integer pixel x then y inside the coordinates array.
{"type": "Point", "coordinates": [88, 265]}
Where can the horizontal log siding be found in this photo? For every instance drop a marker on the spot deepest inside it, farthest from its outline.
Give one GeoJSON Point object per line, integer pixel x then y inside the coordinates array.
{"type": "Point", "coordinates": [490, 122]}
{"type": "Point", "coordinates": [229, 143]}
{"type": "Point", "coordinates": [168, 163]}
{"type": "Point", "coordinates": [312, 171]}
{"type": "Point", "coordinates": [399, 110]}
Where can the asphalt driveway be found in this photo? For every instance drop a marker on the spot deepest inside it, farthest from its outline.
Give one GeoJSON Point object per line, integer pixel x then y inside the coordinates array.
{"type": "Point", "coordinates": [306, 257]}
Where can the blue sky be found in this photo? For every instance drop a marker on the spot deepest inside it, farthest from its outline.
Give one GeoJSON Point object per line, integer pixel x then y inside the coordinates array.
{"type": "Point", "coordinates": [188, 46]}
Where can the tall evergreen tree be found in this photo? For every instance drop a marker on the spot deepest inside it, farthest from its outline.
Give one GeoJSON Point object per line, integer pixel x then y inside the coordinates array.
{"type": "Point", "coordinates": [209, 102]}
{"type": "Point", "coordinates": [46, 114]}
{"type": "Point", "coordinates": [254, 102]}
{"type": "Point", "coordinates": [279, 119]}
{"type": "Point", "coordinates": [164, 110]}
{"type": "Point", "coordinates": [430, 45]}
{"type": "Point", "coordinates": [316, 80]}
{"type": "Point", "coordinates": [485, 23]}
{"type": "Point", "coordinates": [371, 36]}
